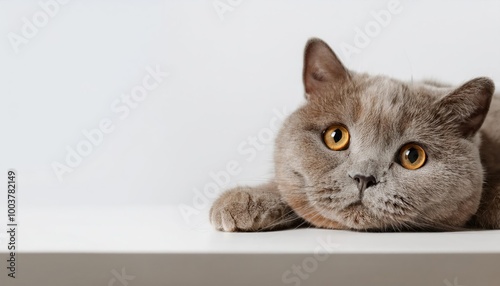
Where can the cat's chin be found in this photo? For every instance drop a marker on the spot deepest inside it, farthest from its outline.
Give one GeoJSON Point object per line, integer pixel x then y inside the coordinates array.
{"type": "Point", "coordinates": [359, 216]}
{"type": "Point", "coordinates": [354, 215]}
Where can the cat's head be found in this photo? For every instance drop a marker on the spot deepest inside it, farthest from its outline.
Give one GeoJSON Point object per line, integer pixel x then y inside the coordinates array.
{"type": "Point", "coordinates": [371, 152]}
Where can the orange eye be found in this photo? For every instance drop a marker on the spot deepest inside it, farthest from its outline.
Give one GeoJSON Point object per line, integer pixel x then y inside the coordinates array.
{"type": "Point", "coordinates": [336, 137]}
{"type": "Point", "coordinates": [412, 156]}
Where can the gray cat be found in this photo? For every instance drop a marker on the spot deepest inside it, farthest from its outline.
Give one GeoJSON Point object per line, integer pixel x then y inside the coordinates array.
{"type": "Point", "coordinates": [374, 153]}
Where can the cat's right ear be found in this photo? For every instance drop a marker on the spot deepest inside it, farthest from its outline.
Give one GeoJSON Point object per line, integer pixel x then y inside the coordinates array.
{"type": "Point", "coordinates": [322, 68]}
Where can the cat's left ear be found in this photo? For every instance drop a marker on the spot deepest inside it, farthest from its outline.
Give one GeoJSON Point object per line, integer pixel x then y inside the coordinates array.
{"type": "Point", "coordinates": [322, 68]}
{"type": "Point", "coordinates": [466, 107]}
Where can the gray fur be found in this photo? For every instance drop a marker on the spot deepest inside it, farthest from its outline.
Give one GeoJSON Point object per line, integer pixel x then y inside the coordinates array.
{"type": "Point", "coordinates": [458, 186]}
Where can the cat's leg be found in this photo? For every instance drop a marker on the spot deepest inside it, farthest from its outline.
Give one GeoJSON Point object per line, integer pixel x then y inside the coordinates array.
{"type": "Point", "coordinates": [488, 214]}
{"type": "Point", "coordinates": [252, 209]}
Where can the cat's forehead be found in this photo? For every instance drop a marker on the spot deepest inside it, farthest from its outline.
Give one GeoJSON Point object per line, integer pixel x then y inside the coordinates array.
{"type": "Point", "coordinates": [392, 99]}
{"type": "Point", "coordinates": [382, 108]}
{"type": "Point", "coordinates": [382, 94]}
{"type": "Point", "coordinates": [387, 92]}
{"type": "Point", "coordinates": [376, 103]}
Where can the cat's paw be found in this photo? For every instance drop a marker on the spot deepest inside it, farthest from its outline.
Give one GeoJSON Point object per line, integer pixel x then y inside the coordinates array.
{"type": "Point", "coordinates": [247, 209]}
{"type": "Point", "coordinates": [234, 211]}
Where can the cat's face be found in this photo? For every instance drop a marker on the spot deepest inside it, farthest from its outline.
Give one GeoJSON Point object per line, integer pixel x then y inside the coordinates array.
{"type": "Point", "coordinates": [343, 159]}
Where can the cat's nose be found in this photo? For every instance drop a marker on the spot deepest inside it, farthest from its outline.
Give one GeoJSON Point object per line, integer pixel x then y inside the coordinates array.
{"type": "Point", "coordinates": [364, 182]}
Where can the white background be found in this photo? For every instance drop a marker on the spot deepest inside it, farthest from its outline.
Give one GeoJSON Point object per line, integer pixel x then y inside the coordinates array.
{"type": "Point", "coordinates": [225, 79]}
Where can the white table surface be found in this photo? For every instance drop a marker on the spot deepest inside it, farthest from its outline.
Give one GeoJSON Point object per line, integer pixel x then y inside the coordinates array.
{"type": "Point", "coordinates": [163, 230]}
